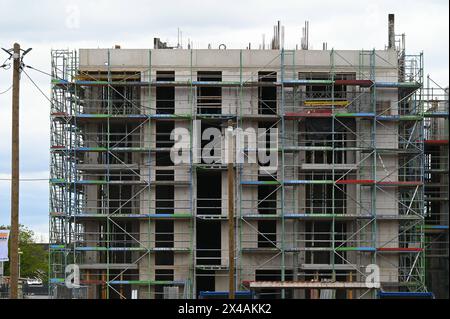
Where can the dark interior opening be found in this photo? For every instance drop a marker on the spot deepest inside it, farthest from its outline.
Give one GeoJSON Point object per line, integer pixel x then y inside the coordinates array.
{"type": "Point", "coordinates": [208, 242]}
{"type": "Point", "coordinates": [209, 98]}
{"type": "Point", "coordinates": [164, 233]}
{"type": "Point", "coordinates": [209, 193]}
{"type": "Point", "coordinates": [119, 196]}
{"type": "Point", "coordinates": [120, 237]}
{"type": "Point", "coordinates": [318, 235]}
{"type": "Point", "coordinates": [118, 100]}
{"type": "Point", "coordinates": [164, 258]}
{"type": "Point", "coordinates": [205, 281]}
{"type": "Point", "coordinates": [162, 173]}
{"type": "Point", "coordinates": [164, 195]}
{"type": "Point", "coordinates": [269, 142]}
{"type": "Point", "coordinates": [267, 102]}
{"type": "Point", "coordinates": [267, 196]}
{"type": "Point", "coordinates": [165, 95]}
{"type": "Point", "coordinates": [267, 204]}
{"type": "Point", "coordinates": [318, 132]}
{"type": "Point", "coordinates": [267, 233]}
{"type": "Point", "coordinates": [320, 198]}
{"type": "Point", "coordinates": [163, 130]}
{"type": "Point", "coordinates": [122, 98]}
{"type": "Point", "coordinates": [162, 275]}
{"type": "Point", "coordinates": [119, 136]}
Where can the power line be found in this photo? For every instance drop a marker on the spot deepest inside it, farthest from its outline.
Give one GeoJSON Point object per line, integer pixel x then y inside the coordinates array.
{"type": "Point", "coordinates": [26, 179]}
{"type": "Point", "coordinates": [34, 83]}
{"type": "Point", "coordinates": [6, 67]}
{"type": "Point", "coordinates": [6, 90]}
{"type": "Point", "coordinates": [43, 72]}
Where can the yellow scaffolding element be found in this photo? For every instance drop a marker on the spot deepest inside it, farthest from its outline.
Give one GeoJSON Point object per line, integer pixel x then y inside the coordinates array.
{"type": "Point", "coordinates": [327, 103]}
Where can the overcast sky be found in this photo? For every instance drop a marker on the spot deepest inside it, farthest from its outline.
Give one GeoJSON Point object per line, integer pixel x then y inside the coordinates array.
{"type": "Point", "coordinates": [45, 24]}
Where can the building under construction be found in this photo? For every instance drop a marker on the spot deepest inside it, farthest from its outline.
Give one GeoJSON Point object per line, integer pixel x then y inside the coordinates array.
{"type": "Point", "coordinates": [361, 143]}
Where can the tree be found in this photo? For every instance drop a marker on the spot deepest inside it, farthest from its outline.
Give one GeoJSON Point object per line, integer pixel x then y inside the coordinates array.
{"type": "Point", "coordinates": [34, 257]}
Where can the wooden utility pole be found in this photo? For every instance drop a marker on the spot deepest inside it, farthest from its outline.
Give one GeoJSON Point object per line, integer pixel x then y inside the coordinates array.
{"type": "Point", "coordinates": [231, 235]}
{"type": "Point", "coordinates": [14, 232]}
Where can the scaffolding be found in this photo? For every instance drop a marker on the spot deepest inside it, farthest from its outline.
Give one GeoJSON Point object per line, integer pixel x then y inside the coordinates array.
{"type": "Point", "coordinates": [99, 232]}
{"type": "Point", "coordinates": [436, 186]}
{"type": "Point", "coordinates": [347, 192]}
{"type": "Point", "coordinates": [341, 150]}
